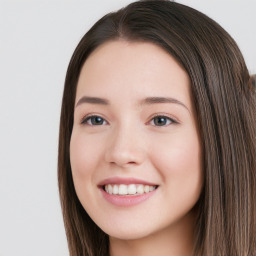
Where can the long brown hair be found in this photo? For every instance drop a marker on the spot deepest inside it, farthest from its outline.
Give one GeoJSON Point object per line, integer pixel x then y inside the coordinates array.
{"type": "Point", "coordinates": [226, 112]}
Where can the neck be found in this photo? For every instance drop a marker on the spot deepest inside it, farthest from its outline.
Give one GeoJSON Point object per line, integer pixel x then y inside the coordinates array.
{"type": "Point", "coordinates": [177, 239]}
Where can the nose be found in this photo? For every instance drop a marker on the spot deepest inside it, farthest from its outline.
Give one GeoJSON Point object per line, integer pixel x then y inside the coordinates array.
{"type": "Point", "coordinates": [126, 147]}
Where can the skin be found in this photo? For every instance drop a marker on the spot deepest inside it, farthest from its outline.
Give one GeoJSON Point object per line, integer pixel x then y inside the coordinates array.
{"type": "Point", "coordinates": [130, 143]}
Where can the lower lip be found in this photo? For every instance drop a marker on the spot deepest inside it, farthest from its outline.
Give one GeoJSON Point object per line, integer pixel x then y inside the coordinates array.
{"type": "Point", "coordinates": [128, 200]}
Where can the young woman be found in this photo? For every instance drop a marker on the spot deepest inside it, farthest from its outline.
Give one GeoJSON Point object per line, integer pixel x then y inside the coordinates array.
{"type": "Point", "coordinates": [157, 138]}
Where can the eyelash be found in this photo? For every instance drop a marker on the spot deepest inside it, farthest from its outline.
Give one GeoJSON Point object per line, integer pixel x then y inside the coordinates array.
{"type": "Point", "coordinates": [86, 119]}
{"type": "Point", "coordinates": [171, 120]}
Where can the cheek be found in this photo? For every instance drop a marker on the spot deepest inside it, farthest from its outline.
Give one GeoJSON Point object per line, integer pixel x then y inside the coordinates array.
{"type": "Point", "coordinates": [84, 156]}
{"type": "Point", "coordinates": [178, 160]}
{"type": "Point", "coordinates": [179, 151]}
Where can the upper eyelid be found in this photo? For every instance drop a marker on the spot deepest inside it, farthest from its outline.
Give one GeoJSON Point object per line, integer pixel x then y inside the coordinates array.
{"type": "Point", "coordinates": [88, 116]}
{"type": "Point", "coordinates": [173, 119]}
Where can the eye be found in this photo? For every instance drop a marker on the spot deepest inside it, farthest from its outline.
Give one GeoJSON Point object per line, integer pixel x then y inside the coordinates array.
{"type": "Point", "coordinates": [94, 120]}
{"type": "Point", "coordinates": [162, 121]}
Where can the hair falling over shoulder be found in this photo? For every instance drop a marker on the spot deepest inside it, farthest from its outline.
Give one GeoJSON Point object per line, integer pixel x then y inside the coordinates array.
{"type": "Point", "coordinates": [225, 101]}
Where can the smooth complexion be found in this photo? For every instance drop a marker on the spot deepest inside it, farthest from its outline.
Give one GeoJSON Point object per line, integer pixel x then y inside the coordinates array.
{"type": "Point", "coordinates": [134, 119]}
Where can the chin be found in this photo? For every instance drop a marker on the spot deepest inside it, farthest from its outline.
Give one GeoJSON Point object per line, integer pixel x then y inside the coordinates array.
{"type": "Point", "coordinates": [127, 233]}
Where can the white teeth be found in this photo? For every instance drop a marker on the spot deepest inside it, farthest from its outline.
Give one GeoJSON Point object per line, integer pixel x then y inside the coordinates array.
{"type": "Point", "coordinates": [146, 188]}
{"type": "Point", "coordinates": [131, 189]}
{"type": "Point", "coordinates": [115, 189]}
{"type": "Point", "coordinates": [140, 189]}
{"type": "Point", "coordinates": [151, 188]}
{"type": "Point", "coordinates": [109, 189]}
{"type": "Point", "coordinates": [122, 190]}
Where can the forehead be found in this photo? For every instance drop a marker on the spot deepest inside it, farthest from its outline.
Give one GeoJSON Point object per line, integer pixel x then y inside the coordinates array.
{"type": "Point", "coordinates": [132, 70]}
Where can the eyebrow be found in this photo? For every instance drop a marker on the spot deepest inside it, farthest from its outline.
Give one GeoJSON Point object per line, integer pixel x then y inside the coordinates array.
{"type": "Point", "coordinates": [146, 101]}
{"type": "Point", "coordinates": [92, 100]}
{"type": "Point", "coordinates": [155, 100]}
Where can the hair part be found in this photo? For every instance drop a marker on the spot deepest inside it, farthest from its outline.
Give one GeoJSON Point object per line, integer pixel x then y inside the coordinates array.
{"type": "Point", "coordinates": [226, 112]}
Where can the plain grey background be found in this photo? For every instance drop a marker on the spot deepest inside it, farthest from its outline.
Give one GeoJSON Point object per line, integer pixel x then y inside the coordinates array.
{"type": "Point", "coordinates": [37, 39]}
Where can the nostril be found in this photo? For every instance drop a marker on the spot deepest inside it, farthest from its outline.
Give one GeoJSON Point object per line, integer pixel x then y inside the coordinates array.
{"type": "Point", "coordinates": [123, 163]}
{"type": "Point", "coordinates": [124, 151]}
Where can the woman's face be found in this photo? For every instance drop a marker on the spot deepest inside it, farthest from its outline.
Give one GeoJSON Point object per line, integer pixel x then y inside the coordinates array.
{"type": "Point", "coordinates": [135, 150]}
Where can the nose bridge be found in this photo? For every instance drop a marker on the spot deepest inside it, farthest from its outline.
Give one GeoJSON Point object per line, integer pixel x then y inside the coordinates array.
{"type": "Point", "coordinates": [126, 145]}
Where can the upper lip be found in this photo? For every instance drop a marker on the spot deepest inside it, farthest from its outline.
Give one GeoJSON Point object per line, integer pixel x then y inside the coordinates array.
{"type": "Point", "coordinates": [125, 181]}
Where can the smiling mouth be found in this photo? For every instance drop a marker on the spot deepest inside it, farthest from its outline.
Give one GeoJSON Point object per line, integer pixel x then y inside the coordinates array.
{"type": "Point", "coordinates": [130, 189]}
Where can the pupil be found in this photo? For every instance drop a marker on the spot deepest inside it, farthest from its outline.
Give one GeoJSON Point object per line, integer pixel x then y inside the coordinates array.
{"type": "Point", "coordinates": [97, 120]}
{"type": "Point", "coordinates": [160, 121]}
